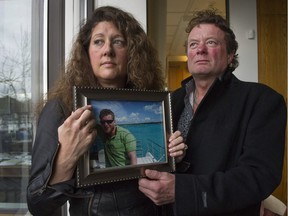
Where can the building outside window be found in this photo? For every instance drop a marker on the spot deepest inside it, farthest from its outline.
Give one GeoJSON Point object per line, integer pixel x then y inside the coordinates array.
{"type": "Point", "coordinates": [20, 69]}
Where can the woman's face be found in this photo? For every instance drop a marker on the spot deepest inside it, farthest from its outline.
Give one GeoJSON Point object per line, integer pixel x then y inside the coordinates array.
{"type": "Point", "coordinates": [108, 55]}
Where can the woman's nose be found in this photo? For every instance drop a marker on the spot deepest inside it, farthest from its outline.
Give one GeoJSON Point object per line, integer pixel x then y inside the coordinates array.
{"type": "Point", "coordinates": [108, 49]}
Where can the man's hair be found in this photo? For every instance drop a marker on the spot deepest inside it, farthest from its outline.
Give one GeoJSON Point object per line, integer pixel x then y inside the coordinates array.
{"type": "Point", "coordinates": [105, 112]}
{"type": "Point", "coordinates": [211, 16]}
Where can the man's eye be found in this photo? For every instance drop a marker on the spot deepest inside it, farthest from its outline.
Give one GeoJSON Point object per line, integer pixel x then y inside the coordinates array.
{"type": "Point", "coordinates": [193, 45]}
{"type": "Point", "coordinates": [212, 43]}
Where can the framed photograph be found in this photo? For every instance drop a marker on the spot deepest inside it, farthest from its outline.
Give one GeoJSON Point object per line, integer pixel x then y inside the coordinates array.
{"type": "Point", "coordinates": [132, 130]}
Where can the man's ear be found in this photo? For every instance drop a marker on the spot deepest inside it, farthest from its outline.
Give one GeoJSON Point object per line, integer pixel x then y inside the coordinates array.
{"type": "Point", "coordinates": [230, 58]}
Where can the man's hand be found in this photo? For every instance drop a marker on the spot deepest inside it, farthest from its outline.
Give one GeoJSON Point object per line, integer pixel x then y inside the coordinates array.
{"type": "Point", "coordinates": [177, 148]}
{"type": "Point", "coordinates": [158, 186]}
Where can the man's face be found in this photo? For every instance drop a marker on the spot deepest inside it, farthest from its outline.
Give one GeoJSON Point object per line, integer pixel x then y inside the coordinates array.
{"type": "Point", "coordinates": [108, 124]}
{"type": "Point", "coordinates": [206, 51]}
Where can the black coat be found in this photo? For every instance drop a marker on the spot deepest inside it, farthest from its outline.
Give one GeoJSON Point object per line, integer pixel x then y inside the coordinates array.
{"type": "Point", "coordinates": [236, 147]}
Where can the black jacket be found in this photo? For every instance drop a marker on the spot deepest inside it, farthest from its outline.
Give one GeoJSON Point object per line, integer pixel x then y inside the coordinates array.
{"type": "Point", "coordinates": [236, 146]}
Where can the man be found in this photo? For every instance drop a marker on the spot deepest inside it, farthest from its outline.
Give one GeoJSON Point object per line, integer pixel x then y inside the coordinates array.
{"type": "Point", "coordinates": [234, 130]}
{"type": "Point", "coordinates": [119, 143]}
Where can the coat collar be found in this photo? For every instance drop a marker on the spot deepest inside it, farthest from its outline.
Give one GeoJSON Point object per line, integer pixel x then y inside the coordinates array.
{"type": "Point", "coordinates": [226, 77]}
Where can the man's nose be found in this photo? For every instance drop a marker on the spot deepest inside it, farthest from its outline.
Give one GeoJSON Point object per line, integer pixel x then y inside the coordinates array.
{"type": "Point", "coordinates": [201, 49]}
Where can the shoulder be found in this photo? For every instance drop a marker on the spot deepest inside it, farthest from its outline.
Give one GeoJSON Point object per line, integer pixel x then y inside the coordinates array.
{"type": "Point", "coordinates": [53, 110]}
{"type": "Point", "coordinates": [122, 129]}
{"type": "Point", "coordinates": [255, 88]}
{"type": "Point", "coordinates": [257, 95]}
{"type": "Point", "coordinates": [53, 104]}
{"type": "Point", "coordinates": [123, 132]}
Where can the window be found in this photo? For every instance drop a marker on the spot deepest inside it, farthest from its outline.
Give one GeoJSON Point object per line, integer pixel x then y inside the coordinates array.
{"type": "Point", "coordinates": [21, 57]}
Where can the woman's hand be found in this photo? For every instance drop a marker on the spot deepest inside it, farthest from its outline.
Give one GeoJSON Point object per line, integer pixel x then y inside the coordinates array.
{"type": "Point", "coordinates": [77, 132]}
{"type": "Point", "coordinates": [177, 148]}
{"type": "Point", "coordinates": [75, 137]}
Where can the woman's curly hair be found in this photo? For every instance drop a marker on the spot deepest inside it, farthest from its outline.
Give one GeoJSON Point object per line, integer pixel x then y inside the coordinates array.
{"type": "Point", "coordinates": [211, 16]}
{"type": "Point", "coordinates": [143, 66]}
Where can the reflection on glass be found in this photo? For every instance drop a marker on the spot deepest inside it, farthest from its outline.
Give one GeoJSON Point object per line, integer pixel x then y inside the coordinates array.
{"type": "Point", "coordinates": [16, 131]}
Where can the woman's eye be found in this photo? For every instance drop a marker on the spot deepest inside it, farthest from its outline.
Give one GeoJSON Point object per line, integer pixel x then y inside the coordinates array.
{"type": "Point", "coordinates": [98, 42]}
{"type": "Point", "coordinates": [119, 42]}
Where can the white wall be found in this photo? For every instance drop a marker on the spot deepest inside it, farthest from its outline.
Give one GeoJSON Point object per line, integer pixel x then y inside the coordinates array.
{"type": "Point", "coordinates": [243, 21]}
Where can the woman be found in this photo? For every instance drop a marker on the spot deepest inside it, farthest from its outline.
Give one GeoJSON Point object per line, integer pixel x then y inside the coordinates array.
{"type": "Point", "coordinates": [113, 51]}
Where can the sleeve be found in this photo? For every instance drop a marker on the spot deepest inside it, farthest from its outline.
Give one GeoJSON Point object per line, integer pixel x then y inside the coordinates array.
{"type": "Point", "coordinates": [43, 199]}
{"type": "Point", "coordinates": [258, 170]}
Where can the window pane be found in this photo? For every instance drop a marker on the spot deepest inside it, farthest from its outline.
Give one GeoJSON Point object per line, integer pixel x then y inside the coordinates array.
{"type": "Point", "coordinates": [16, 110]}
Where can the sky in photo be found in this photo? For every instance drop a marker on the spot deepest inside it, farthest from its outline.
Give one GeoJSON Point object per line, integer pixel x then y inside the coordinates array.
{"type": "Point", "coordinates": [131, 112]}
